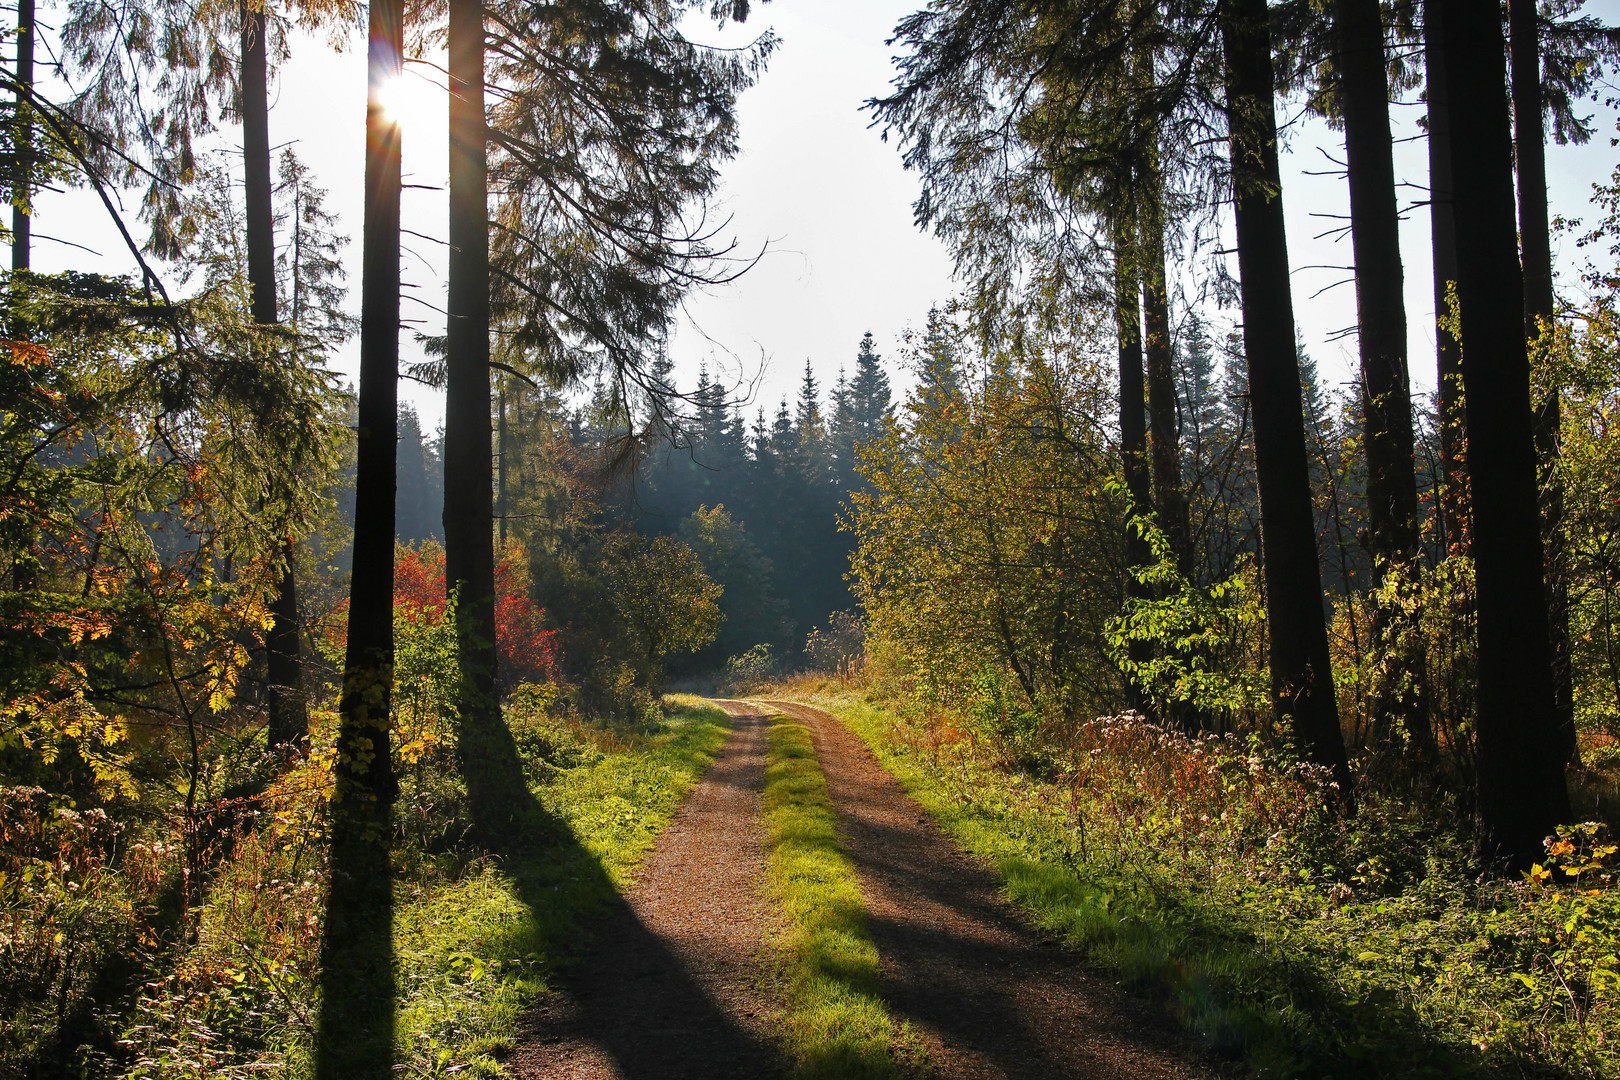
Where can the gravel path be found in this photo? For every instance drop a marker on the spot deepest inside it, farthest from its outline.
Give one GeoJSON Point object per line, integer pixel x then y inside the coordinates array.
{"type": "Point", "coordinates": [674, 986]}
{"type": "Point", "coordinates": [989, 997]}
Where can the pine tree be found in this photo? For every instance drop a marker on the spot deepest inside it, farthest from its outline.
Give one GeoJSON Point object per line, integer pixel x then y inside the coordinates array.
{"type": "Point", "coordinates": [1520, 754]}
{"type": "Point", "coordinates": [309, 268]}
{"type": "Point", "coordinates": [355, 1032]}
{"type": "Point", "coordinates": [1301, 669]}
{"type": "Point", "coordinates": [869, 391]}
{"type": "Point", "coordinates": [939, 376]}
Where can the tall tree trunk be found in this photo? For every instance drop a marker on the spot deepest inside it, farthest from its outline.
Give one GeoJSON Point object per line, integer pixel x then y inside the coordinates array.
{"type": "Point", "coordinates": [502, 440]}
{"type": "Point", "coordinates": [1386, 400]}
{"type": "Point", "coordinates": [1454, 502]}
{"type": "Point", "coordinates": [1301, 673]}
{"type": "Point", "coordinates": [1132, 438]}
{"type": "Point", "coordinates": [289, 718]}
{"type": "Point", "coordinates": [489, 762]}
{"type": "Point", "coordinates": [355, 1036]}
{"type": "Point", "coordinates": [1519, 752]}
{"type": "Point", "coordinates": [1164, 434]}
{"type": "Point", "coordinates": [21, 214]}
{"type": "Point", "coordinates": [24, 563]}
{"type": "Point", "coordinates": [1540, 306]}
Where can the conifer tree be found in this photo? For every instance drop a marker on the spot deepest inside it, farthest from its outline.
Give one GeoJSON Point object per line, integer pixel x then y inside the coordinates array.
{"type": "Point", "coordinates": [1520, 753]}
{"type": "Point", "coordinates": [938, 370]}
{"type": "Point", "coordinates": [1301, 670]}
{"type": "Point", "coordinates": [355, 1031]}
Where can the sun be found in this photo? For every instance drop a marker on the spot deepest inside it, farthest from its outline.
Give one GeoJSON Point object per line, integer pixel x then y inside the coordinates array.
{"type": "Point", "coordinates": [409, 98]}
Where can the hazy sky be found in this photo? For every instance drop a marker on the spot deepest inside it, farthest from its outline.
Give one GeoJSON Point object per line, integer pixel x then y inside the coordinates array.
{"type": "Point", "coordinates": [827, 200]}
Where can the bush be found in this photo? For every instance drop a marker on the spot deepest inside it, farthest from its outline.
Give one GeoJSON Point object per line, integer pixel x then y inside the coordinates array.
{"type": "Point", "coordinates": [750, 669]}
{"type": "Point", "coordinates": [840, 646]}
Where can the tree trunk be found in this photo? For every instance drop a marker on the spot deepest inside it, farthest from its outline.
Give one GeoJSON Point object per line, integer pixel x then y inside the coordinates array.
{"type": "Point", "coordinates": [1518, 750]}
{"type": "Point", "coordinates": [1163, 426]}
{"type": "Point", "coordinates": [1386, 398]}
{"type": "Point", "coordinates": [1301, 673]}
{"type": "Point", "coordinates": [502, 439]}
{"type": "Point", "coordinates": [355, 1036]}
{"type": "Point", "coordinates": [24, 562]}
{"type": "Point", "coordinates": [1132, 439]}
{"type": "Point", "coordinates": [21, 216]}
{"type": "Point", "coordinates": [1540, 307]}
{"type": "Point", "coordinates": [289, 718]}
{"type": "Point", "coordinates": [1380, 302]}
{"type": "Point", "coordinates": [495, 786]}
{"type": "Point", "coordinates": [1454, 502]}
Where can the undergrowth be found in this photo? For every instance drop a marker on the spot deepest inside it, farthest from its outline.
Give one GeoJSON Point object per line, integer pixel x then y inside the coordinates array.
{"type": "Point", "coordinates": [837, 1026]}
{"type": "Point", "coordinates": [1204, 872]}
{"type": "Point", "coordinates": [475, 937]}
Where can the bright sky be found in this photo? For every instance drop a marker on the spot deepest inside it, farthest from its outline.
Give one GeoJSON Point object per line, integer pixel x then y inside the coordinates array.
{"type": "Point", "coordinates": [824, 196]}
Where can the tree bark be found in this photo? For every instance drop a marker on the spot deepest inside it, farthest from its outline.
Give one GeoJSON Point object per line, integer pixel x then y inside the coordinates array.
{"type": "Point", "coordinates": [24, 563]}
{"type": "Point", "coordinates": [502, 440]}
{"type": "Point", "coordinates": [1132, 439]}
{"type": "Point", "coordinates": [1522, 793]}
{"type": "Point", "coordinates": [355, 1036]}
{"type": "Point", "coordinates": [1170, 500]}
{"type": "Point", "coordinates": [1454, 501]}
{"type": "Point", "coordinates": [288, 714]}
{"type": "Point", "coordinates": [1301, 673]}
{"type": "Point", "coordinates": [488, 757]}
{"type": "Point", "coordinates": [1380, 301]}
{"type": "Point", "coordinates": [1540, 307]}
{"type": "Point", "coordinates": [1386, 398]}
{"type": "Point", "coordinates": [21, 216]}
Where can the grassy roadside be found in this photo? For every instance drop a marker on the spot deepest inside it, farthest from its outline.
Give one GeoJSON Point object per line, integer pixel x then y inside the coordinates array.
{"type": "Point", "coordinates": [473, 942]}
{"type": "Point", "coordinates": [474, 952]}
{"type": "Point", "coordinates": [837, 1026]}
{"type": "Point", "coordinates": [1290, 978]}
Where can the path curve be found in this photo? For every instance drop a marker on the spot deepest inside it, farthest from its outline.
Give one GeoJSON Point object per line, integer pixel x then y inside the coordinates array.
{"type": "Point", "coordinates": [674, 987]}
{"type": "Point", "coordinates": [989, 996]}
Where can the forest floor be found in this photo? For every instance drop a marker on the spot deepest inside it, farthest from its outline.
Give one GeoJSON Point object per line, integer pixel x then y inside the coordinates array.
{"type": "Point", "coordinates": [683, 981]}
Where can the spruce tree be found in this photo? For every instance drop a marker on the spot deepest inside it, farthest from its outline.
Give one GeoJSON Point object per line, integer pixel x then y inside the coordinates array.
{"type": "Point", "coordinates": [355, 1029]}
{"type": "Point", "coordinates": [1520, 752]}
{"type": "Point", "coordinates": [1302, 690]}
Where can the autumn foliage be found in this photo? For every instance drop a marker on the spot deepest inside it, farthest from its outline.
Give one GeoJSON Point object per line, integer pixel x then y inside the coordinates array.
{"type": "Point", "coordinates": [528, 651]}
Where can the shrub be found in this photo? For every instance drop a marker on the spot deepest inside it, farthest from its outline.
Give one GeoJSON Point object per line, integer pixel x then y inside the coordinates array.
{"type": "Point", "coordinates": [751, 668]}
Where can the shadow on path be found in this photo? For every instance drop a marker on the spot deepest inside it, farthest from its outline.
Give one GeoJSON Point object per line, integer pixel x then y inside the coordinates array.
{"type": "Point", "coordinates": [672, 988]}
{"type": "Point", "coordinates": [989, 997]}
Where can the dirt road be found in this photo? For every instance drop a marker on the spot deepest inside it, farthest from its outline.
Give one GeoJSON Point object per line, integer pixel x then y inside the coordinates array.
{"type": "Point", "coordinates": [988, 995]}
{"type": "Point", "coordinates": [674, 988]}
{"type": "Point", "coordinates": [677, 986]}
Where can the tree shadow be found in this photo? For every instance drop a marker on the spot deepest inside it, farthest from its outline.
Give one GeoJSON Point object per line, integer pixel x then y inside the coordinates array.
{"type": "Point", "coordinates": [621, 993]}
{"type": "Point", "coordinates": [355, 1029]}
{"type": "Point", "coordinates": [1230, 993]}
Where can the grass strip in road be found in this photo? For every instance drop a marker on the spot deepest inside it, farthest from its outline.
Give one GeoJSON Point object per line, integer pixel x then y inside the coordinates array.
{"type": "Point", "coordinates": [837, 1025]}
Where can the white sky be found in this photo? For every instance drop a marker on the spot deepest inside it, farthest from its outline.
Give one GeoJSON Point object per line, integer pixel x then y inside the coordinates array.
{"type": "Point", "coordinates": [824, 195]}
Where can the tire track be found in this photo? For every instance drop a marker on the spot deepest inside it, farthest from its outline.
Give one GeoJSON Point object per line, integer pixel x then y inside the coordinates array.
{"type": "Point", "coordinates": [989, 997]}
{"type": "Point", "coordinates": [674, 987]}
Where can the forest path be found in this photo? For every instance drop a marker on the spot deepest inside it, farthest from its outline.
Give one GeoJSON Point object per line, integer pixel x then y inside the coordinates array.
{"type": "Point", "coordinates": [675, 986]}
{"type": "Point", "coordinates": [989, 997]}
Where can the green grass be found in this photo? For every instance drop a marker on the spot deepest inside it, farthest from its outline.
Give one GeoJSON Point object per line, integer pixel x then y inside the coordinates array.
{"type": "Point", "coordinates": [837, 1026]}
{"type": "Point", "coordinates": [1413, 984]}
{"type": "Point", "coordinates": [474, 953]}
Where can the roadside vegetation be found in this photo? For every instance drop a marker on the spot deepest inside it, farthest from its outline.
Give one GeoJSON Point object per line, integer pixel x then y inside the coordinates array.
{"type": "Point", "coordinates": [474, 937]}
{"type": "Point", "coordinates": [836, 1023]}
{"type": "Point", "coordinates": [1208, 873]}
